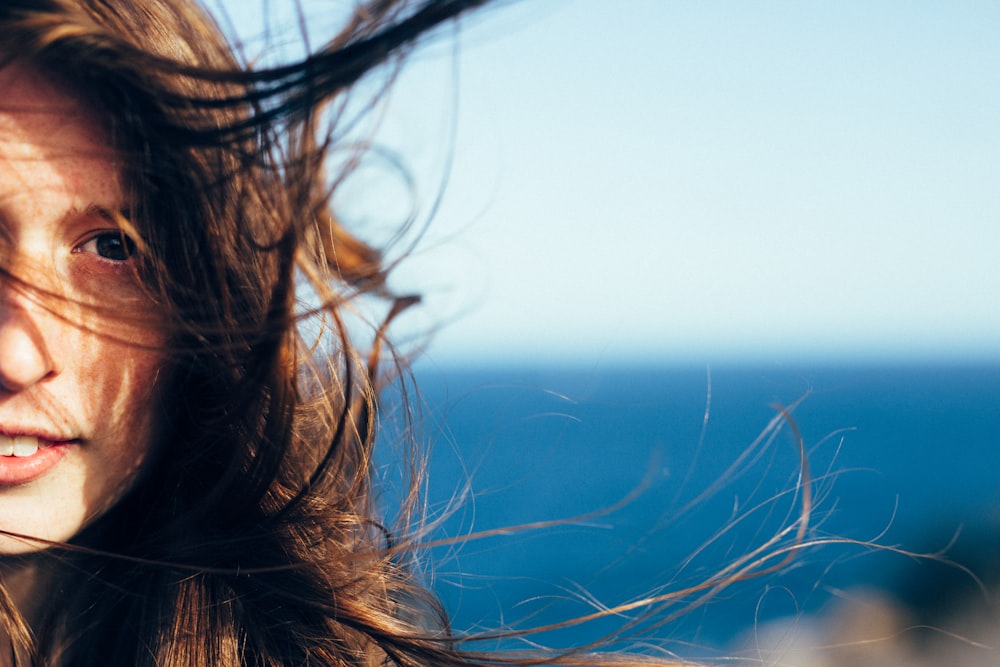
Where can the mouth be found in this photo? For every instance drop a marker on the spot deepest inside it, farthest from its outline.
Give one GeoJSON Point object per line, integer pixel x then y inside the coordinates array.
{"type": "Point", "coordinates": [26, 458]}
{"type": "Point", "coordinates": [22, 445]}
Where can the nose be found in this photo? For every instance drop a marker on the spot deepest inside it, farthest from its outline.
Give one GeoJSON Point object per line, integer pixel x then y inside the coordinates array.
{"type": "Point", "coordinates": [24, 355]}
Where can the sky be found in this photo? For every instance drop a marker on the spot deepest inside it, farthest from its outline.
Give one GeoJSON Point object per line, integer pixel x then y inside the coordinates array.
{"type": "Point", "coordinates": [696, 180]}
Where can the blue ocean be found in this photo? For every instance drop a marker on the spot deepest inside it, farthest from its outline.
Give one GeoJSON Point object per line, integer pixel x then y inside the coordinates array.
{"type": "Point", "coordinates": [561, 491]}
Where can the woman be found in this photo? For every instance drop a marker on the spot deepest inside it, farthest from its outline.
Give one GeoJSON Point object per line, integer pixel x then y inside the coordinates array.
{"type": "Point", "coordinates": [185, 476]}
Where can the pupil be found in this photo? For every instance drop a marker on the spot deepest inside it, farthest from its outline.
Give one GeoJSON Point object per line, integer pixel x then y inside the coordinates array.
{"type": "Point", "coordinates": [115, 246]}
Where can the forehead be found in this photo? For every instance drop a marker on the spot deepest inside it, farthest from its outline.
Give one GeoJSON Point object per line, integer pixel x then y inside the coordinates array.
{"type": "Point", "coordinates": [49, 134]}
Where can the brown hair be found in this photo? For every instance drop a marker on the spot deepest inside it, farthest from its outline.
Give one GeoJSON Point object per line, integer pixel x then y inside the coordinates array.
{"type": "Point", "coordinates": [254, 539]}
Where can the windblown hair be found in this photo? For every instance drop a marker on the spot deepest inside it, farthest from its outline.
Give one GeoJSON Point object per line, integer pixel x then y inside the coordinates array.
{"type": "Point", "coordinates": [254, 537]}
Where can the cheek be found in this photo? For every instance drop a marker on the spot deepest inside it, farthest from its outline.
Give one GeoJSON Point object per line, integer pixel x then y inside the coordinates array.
{"type": "Point", "coordinates": [132, 389]}
{"type": "Point", "coordinates": [120, 376]}
{"type": "Point", "coordinates": [125, 408]}
{"type": "Point", "coordinates": [111, 394]}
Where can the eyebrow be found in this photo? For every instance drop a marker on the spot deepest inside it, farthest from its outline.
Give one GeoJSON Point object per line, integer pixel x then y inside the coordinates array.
{"type": "Point", "coordinates": [112, 215]}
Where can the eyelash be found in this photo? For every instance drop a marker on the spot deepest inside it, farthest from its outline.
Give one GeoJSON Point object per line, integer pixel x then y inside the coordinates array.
{"type": "Point", "coordinates": [122, 242]}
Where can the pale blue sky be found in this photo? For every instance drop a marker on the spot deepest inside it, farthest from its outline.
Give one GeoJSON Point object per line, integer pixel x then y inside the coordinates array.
{"type": "Point", "coordinates": [706, 180]}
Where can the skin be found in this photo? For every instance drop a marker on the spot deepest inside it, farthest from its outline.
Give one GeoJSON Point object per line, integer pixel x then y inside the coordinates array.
{"type": "Point", "coordinates": [69, 368]}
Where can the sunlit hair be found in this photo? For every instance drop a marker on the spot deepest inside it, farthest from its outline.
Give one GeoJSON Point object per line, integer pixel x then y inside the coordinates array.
{"type": "Point", "coordinates": [254, 538]}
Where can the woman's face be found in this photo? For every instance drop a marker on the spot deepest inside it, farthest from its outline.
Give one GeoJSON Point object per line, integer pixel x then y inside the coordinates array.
{"type": "Point", "coordinates": [78, 386]}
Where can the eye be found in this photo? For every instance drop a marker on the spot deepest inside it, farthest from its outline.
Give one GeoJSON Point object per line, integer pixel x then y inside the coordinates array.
{"type": "Point", "coordinates": [112, 245]}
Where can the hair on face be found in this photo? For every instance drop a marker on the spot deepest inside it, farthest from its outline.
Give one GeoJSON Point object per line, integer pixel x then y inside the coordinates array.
{"type": "Point", "coordinates": [253, 537]}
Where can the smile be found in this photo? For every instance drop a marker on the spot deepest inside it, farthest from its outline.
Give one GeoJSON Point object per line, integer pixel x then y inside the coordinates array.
{"type": "Point", "coordinates": [21, 445]}
{"type": "Point", "coordinates": [25, 458]}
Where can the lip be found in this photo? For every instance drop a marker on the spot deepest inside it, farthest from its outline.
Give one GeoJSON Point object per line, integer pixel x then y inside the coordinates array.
{"type": "Point", "coordinates": [49, 436]}
{"type": "Point", "coordinates": [16, 470]}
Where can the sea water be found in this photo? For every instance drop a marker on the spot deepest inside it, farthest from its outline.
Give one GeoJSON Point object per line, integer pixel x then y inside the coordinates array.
{"type": "Point", "coordinates": [617, 483]}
